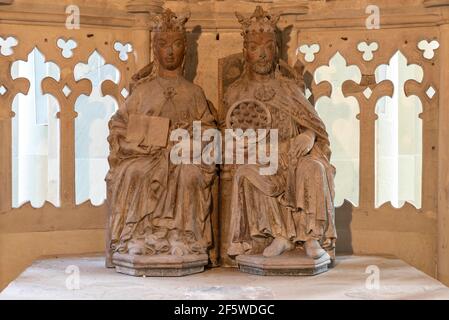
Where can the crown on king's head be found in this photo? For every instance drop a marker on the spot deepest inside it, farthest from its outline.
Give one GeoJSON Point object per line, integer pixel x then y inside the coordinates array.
{"type": "Point", "coordinates": [168, 21]}
{"type": "Point", "coordinates": [260, 21]}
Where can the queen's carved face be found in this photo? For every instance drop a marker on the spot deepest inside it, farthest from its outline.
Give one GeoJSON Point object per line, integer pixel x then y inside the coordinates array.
{"type": "Point", "coordinates": [260, 52]}
{"type": "Point", "coordinates": [169, 49]}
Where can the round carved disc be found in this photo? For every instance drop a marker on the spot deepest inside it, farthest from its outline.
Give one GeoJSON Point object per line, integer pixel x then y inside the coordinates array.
{"type": "Point", "coordinates": [249, 114]}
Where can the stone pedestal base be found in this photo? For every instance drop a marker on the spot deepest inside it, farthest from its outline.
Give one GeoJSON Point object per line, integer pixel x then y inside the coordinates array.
{"type": "Point", "coordinates": [159, 265]}
{"type": "Point", "coordinates": [291, 263]}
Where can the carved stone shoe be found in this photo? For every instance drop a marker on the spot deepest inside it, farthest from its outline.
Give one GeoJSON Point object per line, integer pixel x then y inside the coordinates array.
{"type": "Point", "coordinates": [155, 245]}
{"type": "Point", "coordinates": [277, 247]}
{"type": "Point", "coordinates": [314, 249]}
{"type": "Point", "coordinates": [136, 247]}
{"type": "Point", "coordinates": [235, 249]}
{"type": "Point", "coordinates": [178, 248]}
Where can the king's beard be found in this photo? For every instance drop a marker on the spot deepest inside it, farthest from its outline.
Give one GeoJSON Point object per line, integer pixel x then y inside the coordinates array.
{"type": "Point", "coordinates": [262, 68]}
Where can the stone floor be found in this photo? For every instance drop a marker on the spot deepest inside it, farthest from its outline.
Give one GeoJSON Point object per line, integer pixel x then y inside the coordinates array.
{"type": "Point", "coordinates": [350, 279]}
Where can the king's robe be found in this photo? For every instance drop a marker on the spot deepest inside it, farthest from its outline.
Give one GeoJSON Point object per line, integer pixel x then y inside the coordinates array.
{"type": "Point", "coordinates": [296, 203]}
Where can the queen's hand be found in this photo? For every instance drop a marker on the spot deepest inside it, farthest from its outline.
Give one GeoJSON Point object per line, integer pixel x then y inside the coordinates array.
{"type": "Point", "coordinates": [132, 148]}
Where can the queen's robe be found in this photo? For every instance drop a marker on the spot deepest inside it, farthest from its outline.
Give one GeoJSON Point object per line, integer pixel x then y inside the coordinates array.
{"type": "Point", "coordinates": [164, 206]}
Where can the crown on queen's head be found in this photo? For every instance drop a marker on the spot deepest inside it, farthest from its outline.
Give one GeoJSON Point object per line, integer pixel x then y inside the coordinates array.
{"type": "Point", "coordinates": [168, 21]}
{"type": "Point", "coordinates": [260, 21]}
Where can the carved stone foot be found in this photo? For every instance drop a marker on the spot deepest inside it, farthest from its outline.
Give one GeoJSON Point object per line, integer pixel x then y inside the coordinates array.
{"type": "Point", "coordinates": [136, 247]}
{"type": "Point", "coordinates": [236, 249]}
{"type": "Point", "coordinates": [314, 249]}
{"type": "Point", "coordinates": [331, 253]}
{"type": "Point", "coordinates": [277, 247]}
{"type": "Point", "coordinates": [178, 248]}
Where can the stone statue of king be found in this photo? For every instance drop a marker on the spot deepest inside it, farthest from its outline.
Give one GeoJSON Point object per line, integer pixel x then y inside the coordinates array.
{"type": "Point", "coordinates": [292, 209]}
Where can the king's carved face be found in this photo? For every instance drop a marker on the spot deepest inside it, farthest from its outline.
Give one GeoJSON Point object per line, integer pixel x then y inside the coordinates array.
{"type": "Point", "coordinates": [260, 52]}
{"type": "Point", "coordinates": [169, 49]}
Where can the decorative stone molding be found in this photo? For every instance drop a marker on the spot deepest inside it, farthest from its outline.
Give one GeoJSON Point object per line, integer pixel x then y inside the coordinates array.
{"type": "Point", "coordinates": [291, 7]}
{"type": "Point", "coordinates": [21, 12]}
{"type": "Point", "coordinates": [435, 3]}
{"type": "Point", "coordinates": [145, 6]}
